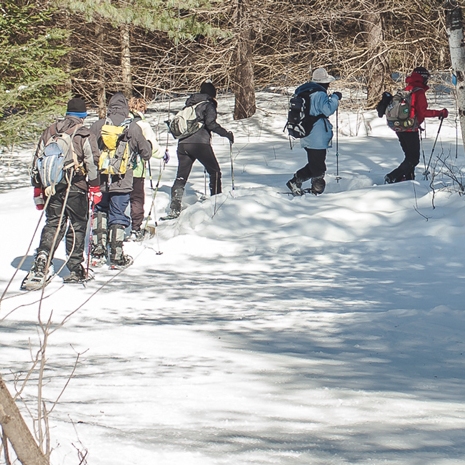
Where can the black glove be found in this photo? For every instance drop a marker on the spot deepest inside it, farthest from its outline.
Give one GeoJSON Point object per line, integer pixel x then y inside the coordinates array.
{"type": "Point", "coordinates": [383, 103]}
{"type": "Point", "coordinates": [230, 136]}
{"type": "Point", "coordinates": [338, 95]}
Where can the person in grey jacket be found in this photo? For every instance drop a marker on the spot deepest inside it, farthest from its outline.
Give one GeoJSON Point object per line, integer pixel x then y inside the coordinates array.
{"type": "Point", "coordinates": [198, 147]}
{"type": "Point", "coordinates": [319, 139]}
{"type": "Point", "coordinates": [66, 204]}
{"type": "Point", "coordinates": [110, 212]}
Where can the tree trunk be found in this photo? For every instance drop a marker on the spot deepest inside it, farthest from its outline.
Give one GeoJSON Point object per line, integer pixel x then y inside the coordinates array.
{"type": "Point", "coordinates": [17, 432]}
{"type": "Point", "coordinates": [454, 29]}
{"type": "Point", "coordinates": [244, 87]}
{"type": "Point", "coordinates": [101, 91]}
{"type": "Point", "coordinates": [376, 66]}
{"type": "Point", "coordinates": [126, 60]}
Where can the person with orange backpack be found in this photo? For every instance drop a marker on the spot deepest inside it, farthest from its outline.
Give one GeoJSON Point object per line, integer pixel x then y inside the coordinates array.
{"type": "Point", "coordinates": [408, 133]}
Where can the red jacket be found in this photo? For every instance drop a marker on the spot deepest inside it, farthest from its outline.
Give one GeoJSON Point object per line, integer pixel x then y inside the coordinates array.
{"type": "Point", "coordinates": [419, 102]}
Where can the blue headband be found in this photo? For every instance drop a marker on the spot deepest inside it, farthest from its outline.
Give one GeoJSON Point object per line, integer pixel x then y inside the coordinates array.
{"type": "Point", "coordinates": [79, 114]}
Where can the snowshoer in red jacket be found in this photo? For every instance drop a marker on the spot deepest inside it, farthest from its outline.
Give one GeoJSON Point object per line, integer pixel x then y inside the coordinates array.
{"type": "Point", "coordinates": [410, 139]}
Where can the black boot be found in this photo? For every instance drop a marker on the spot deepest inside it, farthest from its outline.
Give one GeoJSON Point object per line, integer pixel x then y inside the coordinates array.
{"type": "Point", "coordinates": [295, 185]}
{"type": "Point", "coordinates": [176, 202]}
{"type": "Point", "coordinates": [318, 185]}
{"type": "Point", "coordinates": [118, 260]}
{"type": "Point", "coordinates": [99, 240]}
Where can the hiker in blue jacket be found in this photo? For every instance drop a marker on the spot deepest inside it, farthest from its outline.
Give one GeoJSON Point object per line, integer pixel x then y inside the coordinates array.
{"type": "Point", "coordinates": [319, 139]}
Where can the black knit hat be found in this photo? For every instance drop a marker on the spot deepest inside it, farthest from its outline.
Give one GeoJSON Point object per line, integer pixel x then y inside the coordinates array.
{"type": "Point", "coordinates": [208, 88]}
{"type": "Point", "coordinates": [423, 72]}
{"type": "Point", "coordinates": [77, 107]}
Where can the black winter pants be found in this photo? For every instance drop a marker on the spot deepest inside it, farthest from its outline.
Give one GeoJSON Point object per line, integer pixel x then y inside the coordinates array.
{"type": "Point", "coordinates": [187, 154]}
{"type": "Point", "coordinates": [76, 213]}
{"type": "Point", "coordinates": [315, 167]}
{"type": "Point", "coordinates": [410, 143]}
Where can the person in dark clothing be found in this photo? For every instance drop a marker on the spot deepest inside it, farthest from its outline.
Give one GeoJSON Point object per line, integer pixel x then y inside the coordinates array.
{"type": "Point", "coordinates": [111, 219]}
{"type": "Point", "coordinates": [198, 147]}
{"type": "Point", "coordinates": [410, 139]}
{"type": "Point", "coordinates": [67, 201]}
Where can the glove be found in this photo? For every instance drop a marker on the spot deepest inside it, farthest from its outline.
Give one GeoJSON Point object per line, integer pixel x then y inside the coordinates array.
{"type": "Point", "coordinates": [230, 136]}
{"type": "Point", "coordinates": [443, 113]}
{"type": "Point", "coordinates": [95, 196]}
{"type": "Point", "coordinates": [39, 198]}
{"type": "Point", "coordinates": [383, 104]}
{"type": "Point", "coordinates": [338, 95]}
{"type": "Point", "coordinates": [166, 157]}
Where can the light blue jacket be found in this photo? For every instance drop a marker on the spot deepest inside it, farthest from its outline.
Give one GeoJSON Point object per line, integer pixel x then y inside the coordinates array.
{"type": "Point", "coordinates": [320, 103]}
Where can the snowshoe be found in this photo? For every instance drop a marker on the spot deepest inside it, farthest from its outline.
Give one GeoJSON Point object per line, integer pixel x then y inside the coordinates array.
{"type": "Point", "coordinates": [121, 264]}
{"type": "Point", "coordinates": [97, 261]}
{"type": "Point", "coordinates": [39, 276]}
{"type": "Point", "coordinates": [295, 187]}
{"type": "Point", "coordinates": [173, 214]}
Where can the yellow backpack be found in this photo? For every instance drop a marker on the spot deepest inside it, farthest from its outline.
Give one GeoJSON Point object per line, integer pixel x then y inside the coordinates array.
{"type": "Point", "coordinates": [115, 156]}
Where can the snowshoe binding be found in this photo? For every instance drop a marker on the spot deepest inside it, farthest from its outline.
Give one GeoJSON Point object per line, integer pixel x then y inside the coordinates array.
{"type": "Point", "coordinates": [295, 187]}
{"type": "Point", "coordinates": [124, 262]}
{"type": "Point", "coordinates": [173, 214]}
{"type": "Point", "coordinates": [39, 276]}
{"type": "Point", "coordinates": [79, 276]}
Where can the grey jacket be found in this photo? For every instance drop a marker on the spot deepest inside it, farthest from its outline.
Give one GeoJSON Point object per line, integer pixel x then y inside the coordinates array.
{"type": "Point", "coordinates": [117, 113]}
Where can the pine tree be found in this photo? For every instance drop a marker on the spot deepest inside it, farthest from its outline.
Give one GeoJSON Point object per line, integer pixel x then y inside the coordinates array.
{"type": "Point", "coordinates": [32, 81]}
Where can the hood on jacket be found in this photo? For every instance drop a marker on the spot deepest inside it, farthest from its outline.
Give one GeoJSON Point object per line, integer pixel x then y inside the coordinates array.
{"type": "Point", "coordinates": [197, 98]}
{"type": "Point", "coordinates": [118, 108]}
{"type": "Point", "coordinates": [416, 80]}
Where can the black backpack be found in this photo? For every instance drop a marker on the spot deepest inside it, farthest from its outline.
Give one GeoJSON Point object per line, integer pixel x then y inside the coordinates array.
{"type": "Point", "coordinates": [299, 122]}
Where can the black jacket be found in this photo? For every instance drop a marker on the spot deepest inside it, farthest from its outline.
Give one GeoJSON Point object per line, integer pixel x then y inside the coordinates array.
{"type": "Point", "coordinates": [206, 113]}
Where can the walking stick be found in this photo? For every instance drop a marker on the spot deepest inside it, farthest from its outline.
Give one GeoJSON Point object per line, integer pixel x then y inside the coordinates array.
{"type": "Point", "coordinates": [232, 164]}
{"type": "Point", "coordinates": [426, 173]}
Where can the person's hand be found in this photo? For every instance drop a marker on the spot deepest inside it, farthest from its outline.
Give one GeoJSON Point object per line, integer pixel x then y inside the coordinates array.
{"type": "Point", "coordinates": [95, 196]}
{"type": "Point", "coordinates": [39, 198]}
{"type": "Point", "coordinates": [230, 136]}
{"type": "Point", "coordinates": [338, 95]}
{"type": "Point", "coordinates": [166, 157]}
{"type": "Point", "coordinates": [443, 113]}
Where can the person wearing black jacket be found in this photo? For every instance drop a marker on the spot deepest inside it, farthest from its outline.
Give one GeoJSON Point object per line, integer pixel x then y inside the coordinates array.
{"type": "Point", "coordinates": [198, 147]}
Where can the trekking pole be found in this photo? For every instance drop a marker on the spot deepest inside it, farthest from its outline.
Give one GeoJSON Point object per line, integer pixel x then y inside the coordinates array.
{"type": "Point", "coordinates": [204, 196]}
{"type": "Point", "coordinates": [150, 174]}
{"type": "Point", "coordinates": [426, 173]}
{"type": "Point", "coordinates": [337, 145]}
{"type": "Point", "coordinates": [91, 238]}
{"type": "Point", "coordinates": [232, 164]}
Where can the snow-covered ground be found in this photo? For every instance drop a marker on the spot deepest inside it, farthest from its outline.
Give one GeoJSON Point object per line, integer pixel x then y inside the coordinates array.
{"type": "Point", "coordinates": [259, 328]}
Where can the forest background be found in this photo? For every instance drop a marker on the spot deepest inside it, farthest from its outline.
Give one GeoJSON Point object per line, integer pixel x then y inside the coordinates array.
{"type": "Point", "coordinates": [52, 50]}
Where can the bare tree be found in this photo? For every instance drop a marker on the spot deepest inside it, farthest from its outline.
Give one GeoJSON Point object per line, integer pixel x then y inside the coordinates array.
{"type": "Point", "coordinates": [454, 24]}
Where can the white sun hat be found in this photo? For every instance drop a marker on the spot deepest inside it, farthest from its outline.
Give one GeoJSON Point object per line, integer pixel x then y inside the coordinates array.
{"type": "Point", "coordinates": [321, 76]}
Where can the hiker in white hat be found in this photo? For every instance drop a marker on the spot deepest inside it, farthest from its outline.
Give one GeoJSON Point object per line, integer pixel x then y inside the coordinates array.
{"type": "Point", "coordinates": [318, 130]}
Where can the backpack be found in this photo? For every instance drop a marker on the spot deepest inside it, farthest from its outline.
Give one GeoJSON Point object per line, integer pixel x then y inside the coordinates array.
{"type": "Point", "coordinates": [186, 122]}
{"type": "Point", "coordinates": [299, 121]}
{"type": "Point", "coordinates": [400, 113]}
{"type": "Point", "coordinates": [57, 158]}
{"type": "Point", "coordinates": [115, 156]}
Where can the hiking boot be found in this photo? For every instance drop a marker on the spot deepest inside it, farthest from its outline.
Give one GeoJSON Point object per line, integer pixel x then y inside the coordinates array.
{"type": "Point", "coordinates": [78, 276]}
{"type": "Point", "coordinates": [39, 276]}
{"type": "Point", "coordinates": [294, 186]}
{"type": "Point", "coordinates": [318, 185]}
{"type": "Point", "coordinates": [388, 179]}
{"type": "Point", "coordinates": [136, 236]}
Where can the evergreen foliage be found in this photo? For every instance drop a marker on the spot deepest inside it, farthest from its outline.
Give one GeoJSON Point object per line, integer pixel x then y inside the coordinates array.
{"type": "Point", "coordinates": [32, 76]}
